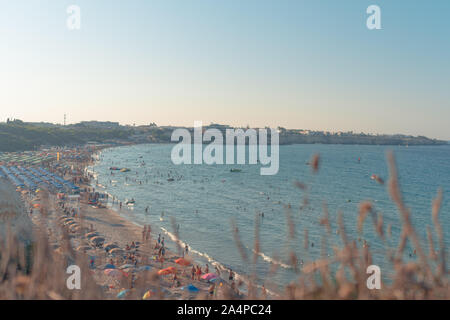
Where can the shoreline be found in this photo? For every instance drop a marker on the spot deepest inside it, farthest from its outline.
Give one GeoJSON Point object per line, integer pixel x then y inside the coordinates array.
{"type": "Point", "coordinates": [66, 219]}
{"type": "Point", "coordinates": [114, 211]}
{"type": "Point", "coordinates": [78, 218]}
{"type": "Point", "coordinates": [242, 281]}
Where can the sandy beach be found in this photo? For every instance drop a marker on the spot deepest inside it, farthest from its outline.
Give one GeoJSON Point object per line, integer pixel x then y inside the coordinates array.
{"type": "Point", "coordinates": [135, 256]}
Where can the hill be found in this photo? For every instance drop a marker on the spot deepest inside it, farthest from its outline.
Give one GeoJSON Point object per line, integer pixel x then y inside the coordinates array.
{"type": "Point", "coordinates": [20, 136]}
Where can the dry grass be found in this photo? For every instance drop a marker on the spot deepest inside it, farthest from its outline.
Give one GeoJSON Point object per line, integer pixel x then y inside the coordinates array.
{"type": "Point", "coordinates": [38, 272]}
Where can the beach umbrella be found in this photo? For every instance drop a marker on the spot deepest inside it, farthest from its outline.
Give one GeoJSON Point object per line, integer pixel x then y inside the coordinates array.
{"type": "Point", "coordinates": [166, 271]}
{"type": "Point", "coordinates": [127, 266]}
{"type": "Point", "coordinates": [97, 240]}
{"type": "Point", "coordinates": [183, 262]}
{"type": "Point", "coordinates": [209, 276]}
{"type": "Point", "coordinates": [122, 293]}
{"type": "Point", "coordinates": [91, 234]}
{"type": "Point", "coordinates": [116, 251]}
{"type": "Point", "coordinates": [148, 295]}
{"type": "Point", "coordinates": [74, 227]}
{"type": "Point", "coordinates": [190, 288]}
{"type": "Point", "coordinates": [107, 266]}
{"type": "Point", "coordinates": [144, 268]}
{"type": "Point", "coordinates": [83, 248]}
{"type": "Point", "coordinates": [110, 246]}
{"type": "Point", "coordinates": [113, 273]}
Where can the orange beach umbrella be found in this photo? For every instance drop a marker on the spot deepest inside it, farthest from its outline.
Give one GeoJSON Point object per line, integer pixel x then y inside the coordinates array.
{"type": "Point", "coordinates": [183, 262]}
{"type": "Point", "coordinates": [167, 271]}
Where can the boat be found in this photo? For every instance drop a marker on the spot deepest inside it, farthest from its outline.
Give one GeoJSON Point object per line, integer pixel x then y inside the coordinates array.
{"type": "Point", "coordinates": [130, 202]}
{"type": "Point", "coordinates": [235, 170]}
{"type": "Point", "coordinates": [114, 169]}
{"type": "Point", "coordinates": [125, 170]}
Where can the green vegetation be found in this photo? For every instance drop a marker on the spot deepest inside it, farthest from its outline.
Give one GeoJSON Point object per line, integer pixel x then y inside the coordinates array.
{"type": "Point", "coordinates": [295, 137]}
{"type": "Point", "coordinates": [19, 136]}
{"type": "Point", "coordinates": [16, 135]}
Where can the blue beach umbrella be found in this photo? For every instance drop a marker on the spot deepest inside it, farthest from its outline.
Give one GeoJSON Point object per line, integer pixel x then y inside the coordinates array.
{"type": "Point", "coordinates": [190, 288]}
{"type": "Point", "coordinates": [145, 268]}
{"type": "Point", "coordinates": [122, 293]}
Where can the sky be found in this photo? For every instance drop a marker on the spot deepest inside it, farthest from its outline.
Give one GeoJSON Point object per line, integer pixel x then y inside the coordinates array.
{"type": "Point", "coordinates": [296, 64]}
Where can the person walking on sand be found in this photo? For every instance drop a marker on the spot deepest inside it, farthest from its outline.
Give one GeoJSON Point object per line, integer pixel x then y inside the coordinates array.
{"type": "Point", "coordinates": [159, 238]}
{"type": "Point", "coordinates": [149, 230]}
{"type": "Point", "coordinates": [193, 270]}
{"type": "Point", "coordinates": [199, 273]}
{"type": "Point", "coordinates": [211, 290]}
{"type": "Point", "coordinates": [207, 269]}
{"type": "Point", "coordinates": [144, 232]}
{"type": "Point", "coordinates": [231, 275]}
{"type": "Point", "coordinates": [174, 279]}
{"type": "Point", "coordinates": [161, 259]}
{"type": "Point", "coordinates": [264, 292]}
{"type": "Point", "coordinates": [217, 270]}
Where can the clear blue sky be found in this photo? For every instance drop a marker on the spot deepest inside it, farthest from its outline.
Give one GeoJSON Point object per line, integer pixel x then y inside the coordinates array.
{"type": "Point", "coordinates": [297, 64]}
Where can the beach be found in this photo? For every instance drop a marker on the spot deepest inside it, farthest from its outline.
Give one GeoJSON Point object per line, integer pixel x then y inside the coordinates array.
{"type": "Point", "coordinates": [137, 259]}
{"type": "Point", "coordinates": [87, 227]}
{"type": "Point", "coordinates": [205, 199]}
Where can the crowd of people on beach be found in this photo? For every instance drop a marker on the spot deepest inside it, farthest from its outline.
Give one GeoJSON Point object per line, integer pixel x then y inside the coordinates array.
{"type": "Point", "coordinates": [70, 216]}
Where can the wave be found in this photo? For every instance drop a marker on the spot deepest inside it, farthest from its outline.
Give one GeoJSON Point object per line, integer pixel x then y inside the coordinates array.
{"type": "Point", "coordinates": [176, 243]}
{"type": "Point", "coordinates": [272, 260]}
{"type": "Point", "coordinates": [221, 267]}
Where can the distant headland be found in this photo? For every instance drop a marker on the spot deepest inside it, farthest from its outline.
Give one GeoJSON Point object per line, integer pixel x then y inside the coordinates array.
{"type": "Point", "coordinates": [16, 135]}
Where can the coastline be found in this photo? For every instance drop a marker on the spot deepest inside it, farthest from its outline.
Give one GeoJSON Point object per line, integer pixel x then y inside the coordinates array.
{"type": "Point", "coordinates": [78, 218]}
{"type": "Point", "coordinates": [61, 219]}
{"type": "Point", "coordinates": [132, 230]}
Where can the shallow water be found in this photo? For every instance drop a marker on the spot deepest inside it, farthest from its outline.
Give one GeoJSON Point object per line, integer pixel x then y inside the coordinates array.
{"type": "Point", "coordinates": [203, 199]}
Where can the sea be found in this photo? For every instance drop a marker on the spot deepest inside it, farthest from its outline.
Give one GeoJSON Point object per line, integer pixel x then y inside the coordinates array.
{"type": "Point", "coordinates": [219, 212]}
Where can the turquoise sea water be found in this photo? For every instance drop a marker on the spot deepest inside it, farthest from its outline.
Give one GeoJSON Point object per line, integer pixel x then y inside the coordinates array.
{"type": "Point", "coordinates": [203, 199]}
